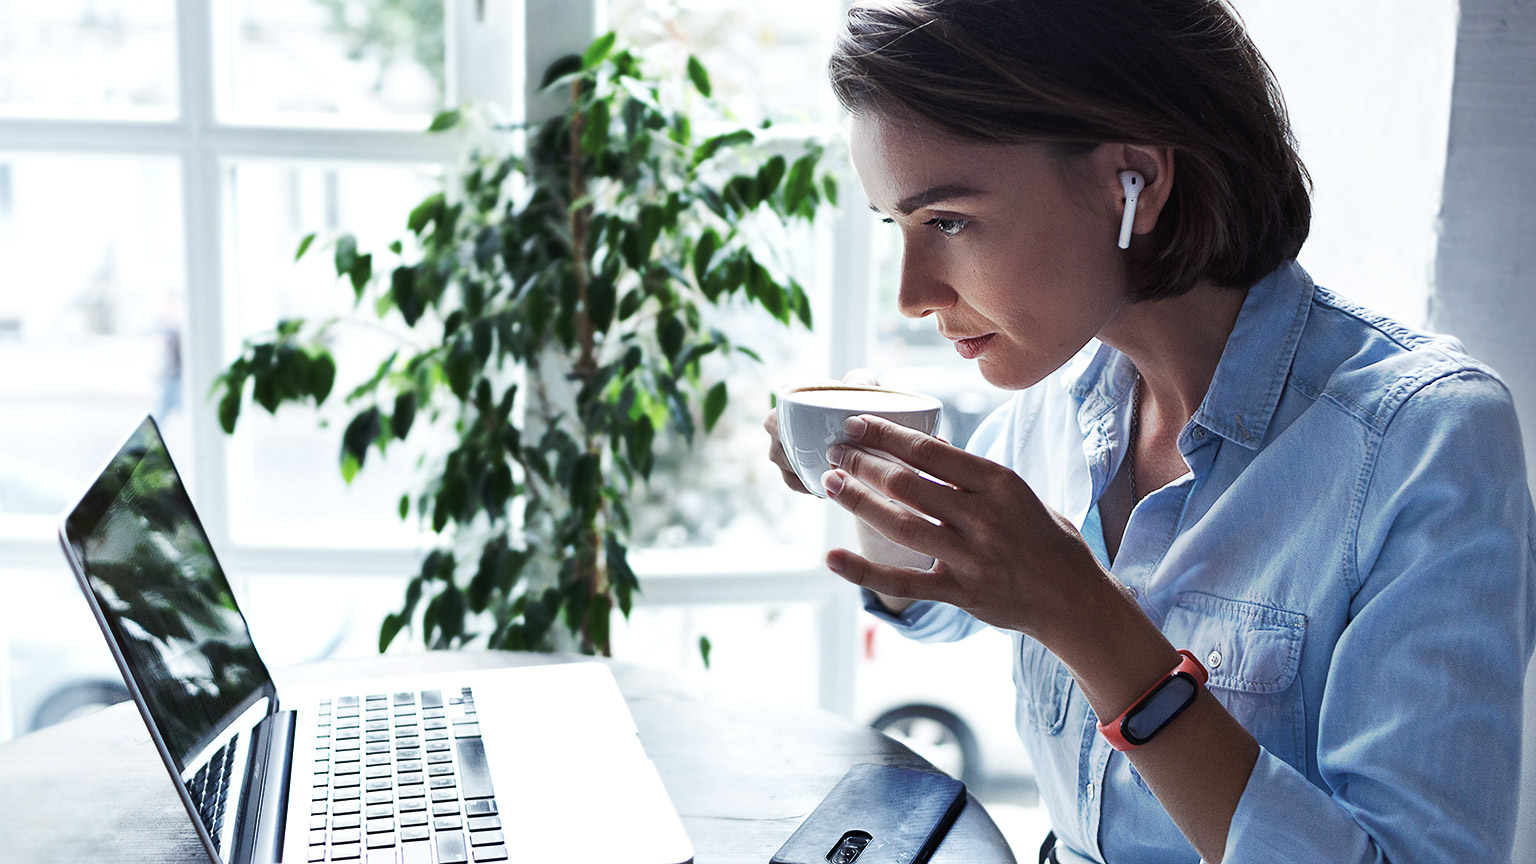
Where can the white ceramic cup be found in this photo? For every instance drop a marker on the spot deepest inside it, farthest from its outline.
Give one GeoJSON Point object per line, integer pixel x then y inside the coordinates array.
{"type": "Point", "coordinates": [811, 421]}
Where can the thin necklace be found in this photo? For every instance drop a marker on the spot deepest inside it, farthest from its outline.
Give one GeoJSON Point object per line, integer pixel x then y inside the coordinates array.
{"type": "Point", "coordinates": [1130, 453]}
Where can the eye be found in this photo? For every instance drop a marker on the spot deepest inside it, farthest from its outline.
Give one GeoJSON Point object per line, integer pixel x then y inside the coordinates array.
{"type": "Point", "coordinates": [948, 227]}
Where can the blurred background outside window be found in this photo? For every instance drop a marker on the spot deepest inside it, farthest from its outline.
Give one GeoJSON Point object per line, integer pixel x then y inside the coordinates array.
{"type": "Point", "coordinates": [160, 161]}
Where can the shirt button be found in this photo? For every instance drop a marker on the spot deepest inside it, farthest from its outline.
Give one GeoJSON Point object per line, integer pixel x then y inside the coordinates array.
{"type": "Point", "coordinates": [1199, 433]}
{"type": "Point", "coordinates": [1213, 659]}
{"type": "Point", "coordinates": [1089, 792]}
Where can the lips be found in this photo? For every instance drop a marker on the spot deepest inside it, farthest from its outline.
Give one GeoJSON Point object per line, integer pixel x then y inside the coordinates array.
{"type": "Point", "coordinates": [975, 346]}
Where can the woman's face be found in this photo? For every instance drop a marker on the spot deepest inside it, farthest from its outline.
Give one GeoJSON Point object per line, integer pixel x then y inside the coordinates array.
{"type": "Point", "coordinates": [1012, 249]}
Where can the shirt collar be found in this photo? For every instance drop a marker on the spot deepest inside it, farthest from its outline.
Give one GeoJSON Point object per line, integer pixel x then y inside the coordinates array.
{"type": "Point", "coordinates": [1249, 378]}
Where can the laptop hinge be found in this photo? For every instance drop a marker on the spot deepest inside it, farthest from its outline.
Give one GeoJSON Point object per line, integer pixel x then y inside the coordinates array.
{"type": "Point", "coordinates": [263, 805]}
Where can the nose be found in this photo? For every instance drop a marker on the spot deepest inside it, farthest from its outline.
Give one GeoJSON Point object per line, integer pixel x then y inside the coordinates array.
{"type": "Point", "coordinates": [923, 290]}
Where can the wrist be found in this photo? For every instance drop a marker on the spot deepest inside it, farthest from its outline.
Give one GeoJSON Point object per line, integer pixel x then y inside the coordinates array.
{"type": "Point", "coordinates": [1111, 648]}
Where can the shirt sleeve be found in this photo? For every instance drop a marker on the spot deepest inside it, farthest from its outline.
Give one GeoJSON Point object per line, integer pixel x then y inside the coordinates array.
{"type": "Point", "coordinates": [1418, 744]}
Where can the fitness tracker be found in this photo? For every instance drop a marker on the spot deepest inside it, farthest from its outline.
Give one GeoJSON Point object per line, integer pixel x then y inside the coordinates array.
{"type": "Point", "coordinates": [1158, 706]}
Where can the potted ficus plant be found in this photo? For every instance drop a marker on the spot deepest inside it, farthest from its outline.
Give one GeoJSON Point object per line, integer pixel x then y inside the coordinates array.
{"type": "Point", "coordinates": [561, 298]}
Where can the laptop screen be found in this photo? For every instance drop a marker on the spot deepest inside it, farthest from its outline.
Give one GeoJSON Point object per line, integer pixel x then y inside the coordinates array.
{"type": "Point", "coordinates": [164, 598]}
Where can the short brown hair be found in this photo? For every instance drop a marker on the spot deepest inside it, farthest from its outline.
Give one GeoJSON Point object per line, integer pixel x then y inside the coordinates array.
{"type": "Point", "coordinates": [1176, 73]}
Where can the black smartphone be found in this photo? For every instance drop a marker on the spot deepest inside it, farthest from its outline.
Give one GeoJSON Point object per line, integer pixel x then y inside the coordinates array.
{"type": "Point", "coordinates": [877, 814]}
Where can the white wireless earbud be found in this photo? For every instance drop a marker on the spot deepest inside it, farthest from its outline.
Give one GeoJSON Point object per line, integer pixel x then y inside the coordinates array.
{"type": "Point", "coordinates": [1131, 182]}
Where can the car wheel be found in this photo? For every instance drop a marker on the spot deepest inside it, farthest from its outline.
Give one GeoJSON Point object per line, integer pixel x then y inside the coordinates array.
{"type": "Point", "coordinates": [936, 735]}
{"type": "Point", "coordinates": [77, 700]}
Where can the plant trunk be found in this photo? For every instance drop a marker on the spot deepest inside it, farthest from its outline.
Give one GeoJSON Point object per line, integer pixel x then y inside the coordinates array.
{"type": "Point", "coordinates": [594, 574]}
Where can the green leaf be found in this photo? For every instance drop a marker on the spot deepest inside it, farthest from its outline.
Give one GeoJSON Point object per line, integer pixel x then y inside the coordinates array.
{"type": "Point", "coordinates": [699, 76]}
{"type": "Point", "coordinates": [829, 188]}
{"type": "Point", "coordinates": [561, 69]}
{"type": "Point", "coordinates": [801, 182]}
{"type": "Point", "coordinates": [389, 630]}
{"type": "Point", "coordinates": [445, 120]}
{"type": "Point", "coordinates": [229, 406]}
{"type": "Point", "coordinates": [703, 253]}
{"type": "Point", "coordinates": [714, 405]}
{"type": "Point", "coordinates": [405, 507]}
{"type": "Point", "coordinates": [346, 254]}
{"type": "Point", "coordinates": [304, 246]}
{"type": "Point", "coordinates": [402, 289]}
{"type": "Point", "coordinates": [349, 467]}
{"type": "Point", "coordinates": [598, 51]}
{"type": "Point", "coordinates": [594, 137]}
{"type": "Point", "coordinates": [460, 367]}
{"type": "Point", "coordinates": [670, 332]}
{"type": "Point", "coordinates": [770, 174]}
{"type": "Point", "coordinates": [428, 211]}
{"type": "Point", "coordinates": [322, 376]}
{"type": "Point", "coordinates": [405, 414]}
{"type": "Point", "coordinates": [599, 616]}
{"type": "Point", "coordinates": [711, 146]}
{"type": "Point", "coordinates": [704, 649]}
{"type": "Point", "coordinates": [362, 272]}
{"type": "Point", "coordinates": [360, 435]}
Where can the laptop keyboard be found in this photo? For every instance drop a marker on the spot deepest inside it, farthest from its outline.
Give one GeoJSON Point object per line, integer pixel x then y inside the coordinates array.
{"type": "Point", "coordinates": [210, 788]}
{"type": "Point", "coordinates": [402, 778]}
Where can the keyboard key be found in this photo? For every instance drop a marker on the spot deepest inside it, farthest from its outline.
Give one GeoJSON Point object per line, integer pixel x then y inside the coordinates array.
{"type": "Point", "coordinates": [410, 767]}
{"type": "Point", "coordinates": [341, 808]}
{"type": "Point", "coordinates": [317, 838]}
{"type": "Point", "coordinates": [445, 782]}
{"type": "Point", "coordinates": [411, 779]}
{"type": "Point", "coordinates": [317, 808]}
{"type": "Point", "coordinates": [466, 730]}
{"type": "Point", "coordinates": [412, 805]}
{"type": "Point", "coordinates": [347, 835]}
{"type": "Point", "coordinates": [440, 756]}
{"type": "Point", "coordinates": [380, 811]}
{"type": "Point", "coordinates": [350, 821]}
{"type": "Point", "coordinates": [490, 853]}
{"type": "Point", "coordinates": [451, 849]}
{"type": "Point", "coordinates": [316, 853]}
{"type": "Point", "coordinates": [431, 699]}
{"type": "Point", "coordinates": [447, 823]}
{"type": "Point", "coordinates": [418, 852]}
{"type": "Point", "coordinates": [484, 823]}
{"type": "Point", "coordinates": [414, 832]}
{"type": "Point", "coordinates": [346, 794]}
{"type": "Point", "coordinates": [382, 856]}
{"type": "Point", "coordinates": [413, 819]}
{"type": "Point", "coordinates": [378, 825]}
{"type": "Point", "coordinates": [446, 808]}
{"type": "Point", "coordinates": [348, 852]}
{"type": "Point", "coordinates": [486, 838]}
{"type": "Point", "coordinates": [483, 807]}
{"type": "Point", "coordinates": [316, 822]}
{"type": "Point", "coordinates": [476, 771]}
{"type": "Point", "coordinates": [411, 792]}
{"type": "Point", "coordinates": [440, 796]}
{"type": "Point", "coordinates": [384, 797]}
{"type": "Point", "coordinates": [381, 841]}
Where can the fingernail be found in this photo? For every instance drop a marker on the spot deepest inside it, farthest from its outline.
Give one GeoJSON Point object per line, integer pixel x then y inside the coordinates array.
{"type": "Point", "coordinates": [835, 455]}
{"type": "Point", "coordinates": [833, 482]}
{"type": "Point", "coordinates": [855, 427]}
{"type": "Point", "coordinates": [835, 564]}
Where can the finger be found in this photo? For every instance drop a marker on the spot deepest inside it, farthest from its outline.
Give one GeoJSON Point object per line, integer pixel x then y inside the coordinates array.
{"type": "Point", "coordinates": [896, 522]}
{"type": "Point", "coordinates": [861, 377]}
{"type": "Point", "coordinates": [905, 583]}
{"type": "Point", "coordinates": [897, 480]}
{"type": "Point", "coordinates": [920, 450]}
{"type": "Point", "coordinates": [778, 456]}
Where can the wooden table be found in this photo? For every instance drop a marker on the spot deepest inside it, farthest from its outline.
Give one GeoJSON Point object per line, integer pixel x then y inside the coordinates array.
{"type": "Point", "coordinates": [742, 778]}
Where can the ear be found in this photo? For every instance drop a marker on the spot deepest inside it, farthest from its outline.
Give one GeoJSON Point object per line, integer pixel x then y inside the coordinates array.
{"type": "Point", "coordinates": [1155, 164]}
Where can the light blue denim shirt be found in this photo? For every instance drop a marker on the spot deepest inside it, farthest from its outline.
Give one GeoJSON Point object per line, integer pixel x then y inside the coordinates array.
{"type": "Point", "coordinates": [1350, 554]}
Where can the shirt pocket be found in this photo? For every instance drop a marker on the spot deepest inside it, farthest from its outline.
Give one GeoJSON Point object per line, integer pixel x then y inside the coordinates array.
{"type": "Point", "coordinates": [1252, 652]}
{"type": "Point", "coordinates": [1043, 683]}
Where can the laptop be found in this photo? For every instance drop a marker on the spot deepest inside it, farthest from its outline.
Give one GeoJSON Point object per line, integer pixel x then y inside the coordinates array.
{"type": "Point", "coordinates": [539, 763]}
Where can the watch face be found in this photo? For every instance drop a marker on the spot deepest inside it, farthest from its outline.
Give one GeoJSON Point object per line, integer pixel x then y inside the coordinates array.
{"type": "Point", "coordinates": [1159, 708]}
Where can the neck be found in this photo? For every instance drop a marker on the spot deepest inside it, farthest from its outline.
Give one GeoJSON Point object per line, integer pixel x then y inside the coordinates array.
{"type": "Point", "coordinates": [1176, 344]}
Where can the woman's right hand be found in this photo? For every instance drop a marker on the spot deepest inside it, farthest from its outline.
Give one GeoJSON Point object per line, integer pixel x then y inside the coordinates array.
{"type": "Point", "coordinates": [776, 454]}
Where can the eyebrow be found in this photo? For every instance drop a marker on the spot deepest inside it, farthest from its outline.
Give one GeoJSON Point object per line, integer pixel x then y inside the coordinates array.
{"type": "Point", "coordinates": [908, 205]}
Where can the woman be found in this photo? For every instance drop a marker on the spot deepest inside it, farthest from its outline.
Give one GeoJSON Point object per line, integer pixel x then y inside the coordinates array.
{"type": "Point", "coordinates": [1207, 452]}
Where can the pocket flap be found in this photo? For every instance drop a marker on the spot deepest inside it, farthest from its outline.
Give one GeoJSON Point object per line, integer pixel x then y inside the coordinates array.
{"type": "Point", "coordinates": [1247, 647]}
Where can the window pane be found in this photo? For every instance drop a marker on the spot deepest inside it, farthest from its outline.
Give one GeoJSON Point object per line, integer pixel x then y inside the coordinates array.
{"type": "Point", "coordinates": [91, 321]}
{"type": "Point", "coordinates": [54, 663]}
{"type": "Point", "coordinates": [286, 482]}
{"type": "Point", "coordinates": [88, 57]}
{"type": "Point", "coordinates": [764, 59]}
{"type": "Point", "coordinates": [758, 653]}
{"type": "Point", "coordinates": [348, 62]}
